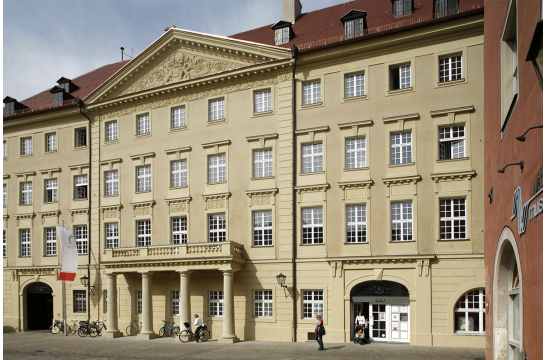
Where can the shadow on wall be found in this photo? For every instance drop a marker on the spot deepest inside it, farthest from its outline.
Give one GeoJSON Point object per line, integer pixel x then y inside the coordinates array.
{"type": "Point", "coordinates": [8, 329]}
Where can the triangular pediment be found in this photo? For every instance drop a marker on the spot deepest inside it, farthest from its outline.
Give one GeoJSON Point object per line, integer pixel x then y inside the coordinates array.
{"type": "Point", "coordinates": [179, 56]}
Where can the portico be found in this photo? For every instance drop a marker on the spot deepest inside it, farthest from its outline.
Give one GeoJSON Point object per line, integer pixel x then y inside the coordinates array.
{"type": "Point", "coordinates": [183, 259]}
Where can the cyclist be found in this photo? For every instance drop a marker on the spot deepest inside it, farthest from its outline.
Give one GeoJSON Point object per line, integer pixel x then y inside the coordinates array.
{"type": "Point", "coordinates": [198, 327]}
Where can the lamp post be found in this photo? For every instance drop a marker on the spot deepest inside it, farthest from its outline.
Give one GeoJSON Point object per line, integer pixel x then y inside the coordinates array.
{"type": "Point", "coordinates": [281, 278]}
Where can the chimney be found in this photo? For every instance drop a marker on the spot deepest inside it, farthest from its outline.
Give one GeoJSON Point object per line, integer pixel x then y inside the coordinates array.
{"type": "Point", "coordinates": [291, 9]}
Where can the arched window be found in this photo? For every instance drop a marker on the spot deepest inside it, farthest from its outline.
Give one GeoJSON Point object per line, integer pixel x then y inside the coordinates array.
{"type": "Point", "coordinates": [469, 312]}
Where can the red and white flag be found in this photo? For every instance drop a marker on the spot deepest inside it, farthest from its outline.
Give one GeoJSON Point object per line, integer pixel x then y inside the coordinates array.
{"type": "Point", "coordinates": [69, 263]}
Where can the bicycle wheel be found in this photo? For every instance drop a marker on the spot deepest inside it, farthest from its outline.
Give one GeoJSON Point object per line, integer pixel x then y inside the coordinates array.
{"type": "Point", "coordinates": [82, 331]}
{"type": "Point", "coordinates": [176, 331]}
{"type": "Point", "coordinates": [205, 335]}
{"type": "Point", "coordinates": [131, 331]}
{"type": "Point", "coordinates": [54, 329]}
{"type": "Point", "coordinates": [93, 332]}
{"type": "Point", "coordinates": [162, 332]}
{"type": "Point", "coordinates": [185, 336]}
{"type": "Point", "coordinates": [72, 330]}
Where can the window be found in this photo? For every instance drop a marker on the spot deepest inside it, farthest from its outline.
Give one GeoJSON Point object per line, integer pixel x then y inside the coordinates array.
{"type": "Point", "coordinates": [4, 195]}
{"type": "Point", "coordinates": [142, 124]}
{"type": "Point", "coordinates": [179, 230]}
{"type": "Point", "coordinates": [178, 117]}
{"type": "Point", "coordinates": [81, 187]}
{"type": "Point", "coordinates": [105, 301]}
{"type": "Point", "coordinates": [401, 148]}
{"type": "Point", "coordinates": [281, 36]}
{"type": "Point", "coordinates": [262, 228]}
{"type": "Point", "coordinates": [26, 193]}
{"type": "Point", "coordinates": [354, 85]}
{"type": "Point", "coordinates": [112, 235]}
{"type": "Point", "coordinates": [469, 312]}
{"type": "Point", "coordinates": [81, 239]}
{"type": "Point", "coordinates": [514, 304]}
{"type": "Point", "coordinates": [175, 302]}
{"type": "Point", "coordinates": [4, 242]}
{"type": "Point", "coordinates": [80, 301]}
{"type": "Point", "coordinates": [402, 7]}
{"type": "Point", "coordinates": [262, 101]}
{"type": "Point", "coordinates": [450, 68]}
{"type": "Point", "coordinates": [313, 228]}
{"type": "Point", "coordinates": [263, 163]}
{"type": "Point", "coordinates": [5, 149]}
{"type": "Point", "coordinates": [263, 304]}
{"type": "Point", "coordinates": [355, 153]}
{"type": "Point", "coordinates": [215, 301]}
{"type": "Point", "coordinates": [178, 177]}
{"type": "Point", "coordinates": [312, 93]}
{"type": "Point", "coordinates": [143, 178]}
{"type": "Point", "coordinates": [313, 303]}
{"type": "Point", "coordinates": [217, 110]}
{"type": "Point", "coordinates": [26, 146]}
{"type": "Point", "coordinates": [216, 168]}
{"type": "Point", "coordinates": [216, 228]}
{"type": "Point", "coordinates": [138, 301]}
{"type": "Point", "coordinates": [112, 183]}
{"type": "Point", "coordinates": [144, 232]}
{"type": "Point", "coordinates": [81, 137]}
{"type": "Point", "coordinates": [313, 158]}
{"type": "Point", "coordinates": [509, 64]}
{"type": "Point", "coordinates": [445, 7]}
{"type": "Point", "coordinates": [50, 242]}
{"type": "Point", "coordinates": [25, 242]}
{"type": "Point", "coordinates": [356, 224]}
{"type": "Point", "coordinates": [353, 28]}
{"type": "Point", "coordinates": [111, 131]}
{"type": "Point", "coordinates": [402, 221]}
{"type": "Point", "coordinates": [51, 142]}
{"type": "Point", "coordinates": [453, 219]}
{"type": "Point", "coordinates": [451, 143]}
{"type": "Point", "coordinates": [400, 77]}
{"type": "Point", "coordinates": [51, 190]}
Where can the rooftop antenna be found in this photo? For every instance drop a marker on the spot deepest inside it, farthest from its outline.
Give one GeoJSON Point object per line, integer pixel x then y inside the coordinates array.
{"type": "Point", "coordinates": [122, 53]}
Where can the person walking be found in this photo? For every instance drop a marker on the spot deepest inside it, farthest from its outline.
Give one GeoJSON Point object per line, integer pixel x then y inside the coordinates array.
{"type": "Point", "coordinates": [360, 323]}
{"type": "Point", "coordinates": [198, 327]}
{"type": "Point", "coordinates": [319, 330]}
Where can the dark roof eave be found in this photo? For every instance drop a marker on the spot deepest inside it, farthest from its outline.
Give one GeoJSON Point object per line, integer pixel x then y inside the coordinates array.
{"type": "Point", "coordinates": [390, 31]}
{"type": "Point", "coordinates": [18, 116]}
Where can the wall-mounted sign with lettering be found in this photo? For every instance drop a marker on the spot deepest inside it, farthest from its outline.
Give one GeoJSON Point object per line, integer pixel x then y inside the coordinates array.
{"type": "Point", "coordinates": [526, 212]}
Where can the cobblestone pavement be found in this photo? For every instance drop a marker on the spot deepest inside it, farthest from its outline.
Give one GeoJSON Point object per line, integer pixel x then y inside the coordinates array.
{"type": "Point", "coordinates": [42, 345]}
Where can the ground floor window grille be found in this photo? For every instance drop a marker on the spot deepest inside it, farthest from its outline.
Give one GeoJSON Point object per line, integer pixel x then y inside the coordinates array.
{"type": "Point", "coordinates": [469, 312]}
{"type": "Point", "coordinates": [175, 302]}
{"type": "Point", "coordinates": [313, 303]}
{"type": "Point", "coordinates": [263, 303]}
{"type": "Point", "coordinates": [80, 301]}
{"type": "Point", "coordinates": [215, 301]}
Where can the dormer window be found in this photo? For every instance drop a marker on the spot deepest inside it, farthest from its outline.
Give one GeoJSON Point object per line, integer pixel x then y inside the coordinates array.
{"type": "Point", "coordinates": [354, 23]}
{"type": "Point", "coordinates": [67, 85]}
{"type": "Point", "coordinates": [282, 32]}
{"type": "Point", "coordinates": [59, 95]}
{"type": "Point", "coordinates": [402, 7]}
{"type": "Point", "coordinates": [12, 105]}
{"type": "Point", "coordinates": [445, 7]}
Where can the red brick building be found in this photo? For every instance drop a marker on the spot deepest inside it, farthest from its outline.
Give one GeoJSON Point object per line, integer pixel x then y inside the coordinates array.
{"type": "Point", "coordinates": [513, 101]}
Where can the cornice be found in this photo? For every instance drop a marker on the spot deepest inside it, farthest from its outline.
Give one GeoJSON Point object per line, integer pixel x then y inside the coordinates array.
{"type": "Point", "coordinates": [405, 117]}
{"type": "Point", "coordinates": [359, 184]}
{"type": "Point", "coordinates": [453, 175]}
{"type": "Point", "coordinates": [178, 150]}
{"type": "Point", "coordinates": [313, 130]}
{"type": "Point", "coordinates": [6, 176]}
{"type": "Point", "coordinates": [401, 180]}
{"type": "Point", "coordinates": [356, 124]}
{"type": "Point", "coordinates": [216, 143]}
{"type": "Point", "coordinates": [261, 137]}
{"type": "Point", "coordinates": [457, 110]}
{"type": "Point", "coordinates": [216, 201]}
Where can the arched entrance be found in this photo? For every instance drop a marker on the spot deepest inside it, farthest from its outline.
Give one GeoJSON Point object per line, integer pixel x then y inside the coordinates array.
{"type": "Point", "coordinates": [386, 305]}
{"type": "Point", "coordinates": [39, 306]}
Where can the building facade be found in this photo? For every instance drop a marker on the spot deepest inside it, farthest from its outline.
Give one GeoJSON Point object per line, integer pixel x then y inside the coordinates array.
{"type": "Point", "coordinates": [514, 179]}
{"type": "Point", "coordinates": [352, 164]}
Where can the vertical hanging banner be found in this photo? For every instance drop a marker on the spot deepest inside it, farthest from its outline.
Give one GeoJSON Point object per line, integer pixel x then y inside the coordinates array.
{"type": "Point", "coordinates": [69, 262]}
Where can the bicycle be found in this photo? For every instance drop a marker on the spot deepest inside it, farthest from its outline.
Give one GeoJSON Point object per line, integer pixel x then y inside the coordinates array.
{"type": "Point", "coordinates": [187, 334]}
{"type": "Point", "coordinates": [58, 328]}
{"type": "Point", "coordinates": [85, 329]}
{"type": "Point", "coordinates": [99, 325]}
{"type": "Point", "coordinates": [134, 329]}
{"type": "Point", "coordinates": [171, 331]}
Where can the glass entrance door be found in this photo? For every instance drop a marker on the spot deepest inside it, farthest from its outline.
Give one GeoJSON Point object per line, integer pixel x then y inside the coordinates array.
{"type": "Point", "coordinates": [389, 322]}
{"type": "Point", "coordinates": [378, 324]}
{"type": "Point", "coordinates": [399, 322]}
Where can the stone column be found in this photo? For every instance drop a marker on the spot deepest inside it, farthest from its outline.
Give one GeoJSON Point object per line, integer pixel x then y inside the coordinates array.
{"type": "Point", "coordinates": [113, 331]}
{"type": "Point", "coordinates": [147, 311]}
{"type": "Point", "coordinates": [185, 303]}
{"type": "Point", "coordinates": [229, 335]}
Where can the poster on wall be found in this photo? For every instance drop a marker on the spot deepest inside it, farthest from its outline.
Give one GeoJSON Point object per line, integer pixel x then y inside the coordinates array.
{"type": "Point", "coordinates": [69, 260]}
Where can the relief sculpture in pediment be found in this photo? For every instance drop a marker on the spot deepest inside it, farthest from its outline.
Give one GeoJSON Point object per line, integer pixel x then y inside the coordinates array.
{"type": "Point", "coordinates": [181, 66]}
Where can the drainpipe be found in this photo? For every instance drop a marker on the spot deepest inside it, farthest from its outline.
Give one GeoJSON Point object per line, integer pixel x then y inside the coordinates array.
{"type": "Point", "coordinates": [80, 104]}
{"type": "Point", "coordinates": [294, 53]}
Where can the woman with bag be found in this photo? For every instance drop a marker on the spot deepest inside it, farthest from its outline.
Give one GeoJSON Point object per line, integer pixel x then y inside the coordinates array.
{"type": "Point", "coordinates": [319, 330]}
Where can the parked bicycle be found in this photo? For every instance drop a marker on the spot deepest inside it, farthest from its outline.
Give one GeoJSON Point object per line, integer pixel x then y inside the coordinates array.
{"type": "Point", "coordinates": [186, 335]}
{"type": "Point", "coordinates": [99, 326]}
{"type": "Point", "coordinates": [85, 330]}
{"type": "Point", "coordinates": [134, 328]}
{"type": "Point", "coordinates": [170, 331]}
{"type": "Point", "coordinates": [58, 328]}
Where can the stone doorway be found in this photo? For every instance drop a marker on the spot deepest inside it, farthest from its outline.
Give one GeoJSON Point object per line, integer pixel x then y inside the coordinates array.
{"type": "Point", "coordinates": [39, 306]}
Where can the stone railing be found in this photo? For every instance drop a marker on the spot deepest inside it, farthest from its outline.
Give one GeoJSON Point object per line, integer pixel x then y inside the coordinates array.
{"type": "Point", "coordinates": [178, 251]}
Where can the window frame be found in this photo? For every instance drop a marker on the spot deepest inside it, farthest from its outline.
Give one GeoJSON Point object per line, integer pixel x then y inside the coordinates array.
{"type": "Point", "coordinates": [5, 195]}
{"type": "Point", "coordinates": [50, 147]}
{"type": "Point", "coordinates": [218, 166]}
{"type": "Point", "coordinates": [449, 78]}
{"type": "Point", "coordinates": [312, 155]}
{"type": "Point", "coordinates": [404, 5]}
{"type": "Point", "coordinates": [355, 91]}
{"type": "Point", "coordinates": [143, 231]}
{"type": "Point", "coordinates": [26, 145]}
{"type": "Point", "coordinates": [453, 140]}
{"type": "Point", "coordinates": [111, 184]}
{"type": "Point", "coordinates": [4, 243]}
{"type": "Point", "coordinates": [111, 135]}
{"type": "Point", "coordinates": [317, 214]}
{"type": "Point", "coordinates": [262, 230]}
{"type": "Point", "coordinates": [180, 173]}
{"type": "Point", "coordinates": [183, 122]}
{"type": "Point", "coordinates": [175, 302]}
{"type": "Point", "coordinates": [80, 301]}
{"type": "Point", "coordinates": [481, 310]}
{"type": "Point", "coordinates": [403, 68]}
{"type": "Point", "coordinates": [401, 147]}
{"type": "Point", "coordinates": [145, 129]}
{"type": "Point", "coordinates": [263, 299]}
{"type": "Point", "coordinates": [5, 150]}
{"type": "Point", "coordinates": [356, 223]}
{"type": "Point", "coordinates": [182, 232]}
{"type": "Point", "coordinates": [142, 183]}
{"type": "Point", "coordinates": [50, 242]}
{"type": "Point", "coordinates": [111, 237]}
{"type": "Point", "coordinates": [26, 242]}
{"type": "Point", "coordinates": [452, 219]}
{"type": "Point", "coordinates": [402, 221]}
{"type": "Point", "coordinates": [266, 164]}
{"type": "Point", "coordinates": [284, 37]}
{"type": "Point", "coordinates": [218, 101]}
{"type": "Point", "coordinates": [315, 89]}
{"type": "Point", "coordinates": [23, 198]}
{"type": "Point", "coordinates": [312, 302]}
{"type": "Point", "coordinates": [82, 239]}
{"type": "Point", "coordinates": [355, 151]}
{"type": "Point", "coordinates": [54, 191]}
{"type": "Point", "coordinates": [215, 303]}
{"type": "Point", "coordinates": [78, 138]}
{"type": "Point", "coordinates": [266, 98]}
{"type": "Point", "coordinates": [353, 24]}
{"type": "Point", "coordinates": [139, 302]}
{"type": "Point", "coordinates": [217, 230]}
{"type": "Point", "coordinates": [78, 187]}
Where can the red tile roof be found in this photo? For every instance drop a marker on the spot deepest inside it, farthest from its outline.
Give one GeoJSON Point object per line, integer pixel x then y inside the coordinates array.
{"type": "Point", "coordinates": [326, 23]}
{"type": "Point", "coordinates": [87, 83]}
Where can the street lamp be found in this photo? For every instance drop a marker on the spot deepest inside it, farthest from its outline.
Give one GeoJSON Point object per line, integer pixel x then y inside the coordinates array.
{"type": "Point", "coordinates": [281, 278]}
{"type": "Point", "coordinates": [84, 281]}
